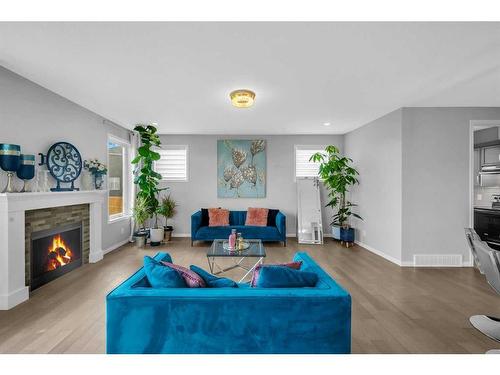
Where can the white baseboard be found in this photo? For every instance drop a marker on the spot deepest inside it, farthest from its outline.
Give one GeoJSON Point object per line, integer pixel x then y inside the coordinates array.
{"type": "Point", "coordinates": [7, 302]}
{"type": "Point", "coordinates": [380, 253]}
{"type": "Point", "coordinates": [115, 246]}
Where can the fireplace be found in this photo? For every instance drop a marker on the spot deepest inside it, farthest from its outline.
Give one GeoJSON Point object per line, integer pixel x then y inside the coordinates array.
{"type": "Point", "coordinates": [55, 252]}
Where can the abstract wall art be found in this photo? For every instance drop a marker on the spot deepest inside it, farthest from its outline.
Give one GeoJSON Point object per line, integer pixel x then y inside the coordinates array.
{"type": "Point", "coordinates": [241, 168]}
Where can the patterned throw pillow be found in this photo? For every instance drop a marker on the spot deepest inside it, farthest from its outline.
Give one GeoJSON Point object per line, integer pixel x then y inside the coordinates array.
{"type": "Point", "coordinates": [192, 279]}
{"type": "Point", "coordinates": [218, 217]}
{"type": "Point", "coordinates": [256, 271]}
{"type": "Point", "coordinates": [257, 216]}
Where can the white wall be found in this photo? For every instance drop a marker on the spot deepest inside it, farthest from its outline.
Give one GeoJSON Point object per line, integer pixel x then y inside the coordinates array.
{"type": "Point", "coordinates": [35, 118]}
{"type": "Point", "coordinates": [376, 151]}
{"type": "Point", "coordinates": [436, 179]}
{"type": "Point", "coordinates": [201, 189]}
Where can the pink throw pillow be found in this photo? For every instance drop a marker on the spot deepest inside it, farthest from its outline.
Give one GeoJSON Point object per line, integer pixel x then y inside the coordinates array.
{"type": "Point", "coordinates": [192, 279]}
{"type": "Point", "coordinates": [256, 271]}
{"type": "Point", "coordinates": [218, 217]}
{"type": "Point", "coordinates": [257, 216]}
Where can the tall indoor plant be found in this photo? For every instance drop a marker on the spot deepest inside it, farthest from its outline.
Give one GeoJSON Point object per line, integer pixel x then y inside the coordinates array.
{"type": "Point", "coordinates": [167, 209]}
{"type": "Point", "coordinates": [140, 214]}
{"type": "Point", "coordinates": [146, 178]}
{"type": "Point", "coordinates": [338, 175]}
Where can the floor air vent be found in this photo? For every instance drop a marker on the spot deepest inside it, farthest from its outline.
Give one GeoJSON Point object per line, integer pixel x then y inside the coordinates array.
{"type": "Point", "coordinates": [428, 260]}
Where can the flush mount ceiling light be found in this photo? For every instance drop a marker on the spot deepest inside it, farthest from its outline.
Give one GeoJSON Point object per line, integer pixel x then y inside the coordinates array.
{"type": "Point", "coordinates": [326, 124]}
{"type": "Point", "coordinates": [242, 98]}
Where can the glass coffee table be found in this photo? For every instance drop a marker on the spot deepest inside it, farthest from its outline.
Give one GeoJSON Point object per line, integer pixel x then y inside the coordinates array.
{"type": "Point", "coordinates": [255, 251]}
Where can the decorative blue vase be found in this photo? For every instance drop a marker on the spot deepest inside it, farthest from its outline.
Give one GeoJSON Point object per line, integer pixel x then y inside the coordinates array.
{"type": "Point", "coordinates": [26, 170]}
{"type": "Point", "coordinates": [9, 162]}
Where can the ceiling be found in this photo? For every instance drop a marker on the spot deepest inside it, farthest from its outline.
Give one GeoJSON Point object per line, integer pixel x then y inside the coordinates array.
{"type": "Point", "coordinates": [179, 75]}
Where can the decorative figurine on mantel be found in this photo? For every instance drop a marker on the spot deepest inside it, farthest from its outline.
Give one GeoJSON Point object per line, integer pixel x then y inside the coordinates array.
{"type": "Point", "coordinates": [98, 170]}
{"type": "Point", "coordinates": [9, 162]}
{"type": "Point", "coordinates": [64, 163]}
{"type": "Point", "coordinates": [26, 170]}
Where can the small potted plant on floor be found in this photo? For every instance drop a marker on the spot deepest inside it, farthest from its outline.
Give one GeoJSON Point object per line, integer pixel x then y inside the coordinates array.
{"type": "Point", "coordinates": [167, 210]}
{"type": "Point", "coordinates": [140, 213]}
{"type": "Point", "coordinates": [338, 175]}
{"type": "Point", "coordinates": [146, 178]}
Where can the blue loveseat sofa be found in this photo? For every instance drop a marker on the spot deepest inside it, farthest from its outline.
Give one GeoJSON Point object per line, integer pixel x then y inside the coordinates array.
{"type": "Point", "coordinates": [141, 319]}
{"type": "Point", "coordinates": [237, 221]}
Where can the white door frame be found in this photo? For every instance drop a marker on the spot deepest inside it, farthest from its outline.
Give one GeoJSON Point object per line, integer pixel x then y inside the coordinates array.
{"type": "Point", "coordinates": [475, 124]}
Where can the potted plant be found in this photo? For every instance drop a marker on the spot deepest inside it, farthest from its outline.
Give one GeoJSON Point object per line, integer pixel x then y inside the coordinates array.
{"type": "Point", "coordinates": [167, 209]}
{"type": "Point", "coordinates": [147, 179]}
{"type": "Point", "coordinates": [140, 212]}
{"type": "Point", "coordinates": [338, 175]}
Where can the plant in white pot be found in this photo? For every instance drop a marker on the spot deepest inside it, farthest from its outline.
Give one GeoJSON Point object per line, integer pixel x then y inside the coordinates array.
{"type": "Point", "coordinates": [147, 179]}
{"type": "Point", "coordinates": [167, 209]}
{"type": "Point", "coordinates": [338, 175]}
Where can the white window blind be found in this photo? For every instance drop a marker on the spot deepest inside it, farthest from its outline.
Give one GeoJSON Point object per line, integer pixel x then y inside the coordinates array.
{"type": "Point", "coordinates": [304, 167]}
{"type": "Point", "coordinates": [173, 164]}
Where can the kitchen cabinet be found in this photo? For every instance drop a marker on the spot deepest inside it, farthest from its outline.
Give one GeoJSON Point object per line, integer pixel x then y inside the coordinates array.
{"type": "Point", "coordinates": [491, 155]}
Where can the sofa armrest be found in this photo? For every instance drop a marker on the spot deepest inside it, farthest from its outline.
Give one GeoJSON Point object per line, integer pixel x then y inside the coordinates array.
{"type": "Point", "coordinates": [281, 224]}
{"type": "Point", "coordinates": [195, 223]}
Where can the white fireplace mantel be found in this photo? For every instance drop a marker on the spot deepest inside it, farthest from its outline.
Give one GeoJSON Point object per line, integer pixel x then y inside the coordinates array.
{"type": "Point", "coordinates": [13, 290]}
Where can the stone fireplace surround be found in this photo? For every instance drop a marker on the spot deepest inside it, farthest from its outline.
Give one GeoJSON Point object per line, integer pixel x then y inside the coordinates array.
{"type": "Point", "coordinates": [20, 213]}
{"type": "Point", "coordinates": [52, 218]}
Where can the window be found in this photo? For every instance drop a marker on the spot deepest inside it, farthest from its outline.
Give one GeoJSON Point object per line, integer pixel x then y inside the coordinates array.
{"type": "Point", "coordinates": [118, 178]}
{"type": "Point", "coordinates": [304, 167]}
{"type": "Point", "coordinates": [173, 164]}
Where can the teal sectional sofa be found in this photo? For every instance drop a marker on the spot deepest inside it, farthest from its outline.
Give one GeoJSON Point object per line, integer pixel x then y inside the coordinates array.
{"type": "Point", "coordinates": [276, 232]}
{"type": "Point", "coordinates": [141, 319]}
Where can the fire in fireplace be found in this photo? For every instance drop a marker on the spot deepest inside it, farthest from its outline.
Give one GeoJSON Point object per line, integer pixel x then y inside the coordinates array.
{"type": "Point", "coordinates": [59, 254]}
{"type": "Point", "coordinates": [55, 252]}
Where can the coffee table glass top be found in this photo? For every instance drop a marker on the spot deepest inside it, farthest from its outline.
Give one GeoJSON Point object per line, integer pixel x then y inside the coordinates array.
{"type": "Point", "coordinates": [256, 249]}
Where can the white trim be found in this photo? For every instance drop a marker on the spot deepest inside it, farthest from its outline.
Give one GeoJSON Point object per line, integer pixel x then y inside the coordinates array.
{"type": "Point", "coordinates": [126, 178]}
{"type": "Point", "coordinates": [118, 217]}
{"type": "Point", "coordinates": [181, 234]}
{"type": "Point", "coordinates": [380, 253]}
{"type": "Point", "coordinates": [115, 246]}
{"type": "Point", "coordinates": [7, 302]}
{"type": "Point", "coordinates": [472, 125]}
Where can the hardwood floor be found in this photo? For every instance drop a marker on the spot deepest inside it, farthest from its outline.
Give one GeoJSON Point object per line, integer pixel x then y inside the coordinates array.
{"type": "Point", "coordinates": [395, 310]}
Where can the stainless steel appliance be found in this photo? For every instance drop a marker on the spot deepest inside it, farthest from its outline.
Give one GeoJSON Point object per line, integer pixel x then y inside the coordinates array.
{"type": "Point", "coordinates": [489, 176]}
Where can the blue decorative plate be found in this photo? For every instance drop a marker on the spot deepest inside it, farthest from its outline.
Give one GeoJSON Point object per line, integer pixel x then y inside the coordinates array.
{"type": "Point", "coordinates": [64, 163]}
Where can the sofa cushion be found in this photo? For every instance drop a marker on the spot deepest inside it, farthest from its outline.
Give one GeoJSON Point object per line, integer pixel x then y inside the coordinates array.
{"type": "Point", "coordinates": [256, 272]}
{"type": "Point", "coordinates": [271, 217]}
{"type": "Point", "coordinates": [161, 276]}
{"type": "Point", "coordinates": [218, 217]}
{"type": "Point", "coordinates": [263, 233]}
{"type": "Point", "coordinates": [285, 277]}
{"type": "Point", "coordinates": [257, 216]}
{"type": "Point", "coordinates": [204, 217]}
{"type": "Point", "coordinates": [192, 279]}
{"type": "Point", "coordinates": [213, 281]}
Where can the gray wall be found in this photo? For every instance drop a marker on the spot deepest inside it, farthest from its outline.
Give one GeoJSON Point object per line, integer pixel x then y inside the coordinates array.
{"type": "Point", "coordinates": [35, 118]}
{"type": "Point", "coordinates": [376, 151]}
{"type": "Point", "coordinates": [436, 178]}
{"type": "Point", "coordinates": [201, 189]}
